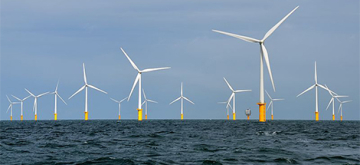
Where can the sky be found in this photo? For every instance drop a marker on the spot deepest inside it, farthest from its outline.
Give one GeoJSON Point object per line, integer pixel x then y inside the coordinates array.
{"type": "Point", "coordinates": [43, 42]}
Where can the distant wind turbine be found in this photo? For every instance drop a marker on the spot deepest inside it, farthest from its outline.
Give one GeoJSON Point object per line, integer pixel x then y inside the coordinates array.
{"type": "Point", "coordinates": [227, 108]}
{"type": "Point", "coordinates": [86, 92]}
{"type": "Point", "coordinates": [272, 105]}
{"type": "Point", "coordinates": [11, 107]}
{"type": "Point", "coordinates": [35, 101]}
{"type": "Point", "coordinates": [316, 85]}
{"type": "Point", "coordinates": [340, 108]}
{"type": "Point", "coordinates": [56, 95]}
{"type": "Point", "coordinates": [119, 102]}
{"type": "Point", "coordinates": [22, 102]}
{"type": "Point", "coordinates": [182, 101]}
{"type": "Point", "coordinates": [145, 102]}
{"type": "Point", "coordinates": [332, 100]}
{"type": "Point", "coordinates": [232, 96]}
{"type": "Point", "coordinates": [263, 56]}
{"type": "Point", "coordinates": [138, 79]}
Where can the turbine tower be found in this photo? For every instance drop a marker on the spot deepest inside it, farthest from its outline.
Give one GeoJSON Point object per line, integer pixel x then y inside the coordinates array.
{"type": "Point", "coordinates": [86, 92]}
{"type": "Point", "coordinates": [272, 105]}
{"type": "Point", "coordinates": [332, 100]}
{"type": "Point", "coordinates": [138, 79]}
{"type": "Point", "coordinates": [35, 101]}
{"type": "Point", "coordinates": [316, 85]}
{"type": "Point", "coordinates": [340, 108]}
{"type": "Point", "coordinates": [232, 96]}
{"type": "Point", "coordinates": [145, 102]}
{"type": "Point", "coordinates": [227, 108]}
{"type": "Point", "coordinates": [182, 101]}
{"type": "Point", "coordinates": [263, 56]}
{"type": "Point", "coordinates": [57, 95]}
{"type": "Point", "coordinates": [119, 102]}
{"type": "Point", "coordinates": [10, 107]}
{"type": "Point", "coordinates": [21, 102]}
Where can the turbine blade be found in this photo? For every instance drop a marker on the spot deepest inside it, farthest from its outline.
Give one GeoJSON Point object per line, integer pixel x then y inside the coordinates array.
{"type": "Point", "coordinates": [266, 57]}
{"type": "Point", "coordinates": [321, 86]}
{"type": "Point", "coordinates": [132, 63]}
{"type": "Point", "coordinates": [339, 107]}
{"type": "Point", "coordinates": [8, 108]}
{"type": "Point", "coordinates": [228, 84]}
{"type": "Point", "coordinates": [152, 101]}
{"type": "Point", "coordinates": [43, 94]}
{"type": "Point", "coordinates": [57, 85]}
{"type": "Point", "coordinates": [238, 91]}
{"type": "Point", "coordinates": [331, 100]}
{"type": "Point", "coordinates": [8, 99]}
{"type": "Point", "coordinates": [175, 100]}
{"type": "Point", "coordinates": [248, 39]}
{"type": "Point", "coordinates": [231, 96]}
{"type": "Point", "coordinates": [143, 102]}
{"type": "Point", "coordinates": [306, 90]}
{"type": "Point", "coordinates": [123, 99]}
{"type": "Point", "coordinates": [144, 94]}
{"type": "Point", "coordinates": [268, 95]}
{"type": "Point", "coordinates": [136, 80]}
{"type": "Point", "coordinates": [15, 98]}
{"type": "Point", "coordinates": [222, 102]}
{"type": "Point", "coordinates": [114, 100]}
{"type": "Point", "coordinates": [26, 97]}
{"type": "Point", "coordinates": [340, 96]}
{"type": "Point", "coordinates": [61, 99]}
{"type": "Point", "coordinates": [347, 101]}
{"type": "Point", "coordinates": [315, 74]}
{"type": "Point", "coordinates": [93, 87]}
{"type": "Point", "coordinates": [77, 92]}
{"type": "Point", "coordinates": [154, 69]}
{"type": "Point", "coordinates": [181, 89]}
{"type": "Point", "coordinates": [188, 100]}
{"type": "Point", "coordinates": [278, 99]}
{"type": "Point", "coordinates": [278, 24]}
{"type": "Point", "coordinates": [84, 73]}
{"type": "Point", "coordinates": [271, 102]}
{"type": "Point", "coordinates": [30, 93]}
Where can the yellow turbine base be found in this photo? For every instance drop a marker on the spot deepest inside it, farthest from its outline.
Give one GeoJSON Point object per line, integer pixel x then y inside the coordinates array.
{"type": "Point", "coordinates": [35, 117]}
{"type": "Point", "coordinates": [10, 118]}
{"type": "Point", "coordinates": [55, 116]}
{"type": "Point", "coordinates": [145, 117]}
{"type": "Point", "coordinates": [333, 117]}
{"type": "Point", "coordinates": [272, 117]}
{"type": "Point", "coordinates": [228, 117]}
{"type": "Point", "coordinates": [139, 114]}
{"type": "Point", "coordinates": [119, 117]}
{"type": "Point", "coordinates": [248, 117]}
{"type": "Point", "coordinates": [86, 115]}
{"type": "Point", "coordinates": [21, 117]}
{"type": "Point", "coordinates": [341, 118]}
{"type": "Point", "coordinates": [262, 112]}
{"type": "Point", "coordinates": [317, 116]}
{"type": "Point", "coordinates": [182, 116]}
{"type": "Point", "coordinates": [234, 116]}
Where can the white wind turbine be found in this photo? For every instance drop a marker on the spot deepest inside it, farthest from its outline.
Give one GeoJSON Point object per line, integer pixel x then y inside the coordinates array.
{"type": "Point", "coordinates": [138, 79]}
{"type": "Point", "coordinates": [227, 108]}
{"type": "Point", "coordinates": [316, 85]}
{"type": "Point", "coordinates": [332, 100]}
{"type": "Point", "coordinates": [35, 101]}
{"type": "Point", "coordinates": [145, 102]}
{"type": "Point", "coordinates": [10, 107]}
{"type": "Point", "coordinates": [340, 108]}
{"type": "Point", "coordinates": [182, 97]}
{"type": "Point", "coordinates": [232, 96]}
{"type": "Point", "coordinates": [86, 92]}
{"type": "Point", "coordinates": [119, 102]}
{"type": "Point", "coordinates": [56, 95]}
{"type": "Point", "coordinates": [21, 102]}
{"type": "Point", "coordinates": [272, 105]}
{"type": "Point", "coordinates": [263, 56]}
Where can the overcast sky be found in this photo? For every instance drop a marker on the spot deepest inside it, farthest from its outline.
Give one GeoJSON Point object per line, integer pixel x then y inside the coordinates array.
{"type": "Point", "coordinates": [46, 41]}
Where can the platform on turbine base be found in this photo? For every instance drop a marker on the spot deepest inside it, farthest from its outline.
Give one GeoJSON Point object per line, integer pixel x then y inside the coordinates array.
{"type": "Point", "coordinates": [340, 118]}
{"type": "Point", "coordinates": [262, 112]}
{"type": "Point", "coordinates": [333, 117]}
{"type": "Point", "coordinates": [10, 118]}
{"type": "Point", "coordinates": [86, 115]}
{"type": "Point", "coordinates": [234, 116]}
{"type": "Point", "coordinates": [227, 116]}
{"type": "Point", "coordinates": [317, 116]}
{"type": "Point", "coordinates": [272, 117]}
{"type": "Point", "coordinates": [35, 117]}
{"type": "Point", "coordinates": [145, 117]}
{"type": "Point", "coordinates": [119, 117]}
{"type": "Point", "coordinates": [182, 116]}
{"type": "Point", "coordinates": [139, 114]}
{"type": "Point", "coordinates": [21, 117]}
{"type": "Point", "coordinates": [55, 116]}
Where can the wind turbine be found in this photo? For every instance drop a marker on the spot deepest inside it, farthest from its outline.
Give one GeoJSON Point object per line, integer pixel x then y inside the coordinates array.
{"type": "Point", "coordinates": [119, 102]}
{"type": "Point", "coordinates": [272, 105]}
{"type": "Point", "coordinates": [316, 85]}
{"type": "Point", "coordinates": [35, 101]}
{"type": "Point", "coordinates": [332, 100]}
{"type": "Point", "coordinates": [340, 108]}
{"type": "Point", "coordinates": [10, 107]}
{"type": "Point", "coordinates": [86, 92]}
{"type": "Point", "coordinates": [56, 95]}
{"type": "Point", "coordinates": [21, 102]}
{"type": "Point", "coordinates": [263, 56]}
{"type": "Point", "coordinates": [227, 108]}
{"type": "Point", "coordinates": [232, 96]}
{"type": "Point", "coordinates": [182, 101]}
{"type": "Point", "coordinates": [145, 102]}
{"type": "Point", "coordinates": [138, 79]}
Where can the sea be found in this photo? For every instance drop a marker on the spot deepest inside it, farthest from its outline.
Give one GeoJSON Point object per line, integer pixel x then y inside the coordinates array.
{"type": "Point", "coordinates": [179, 142]}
